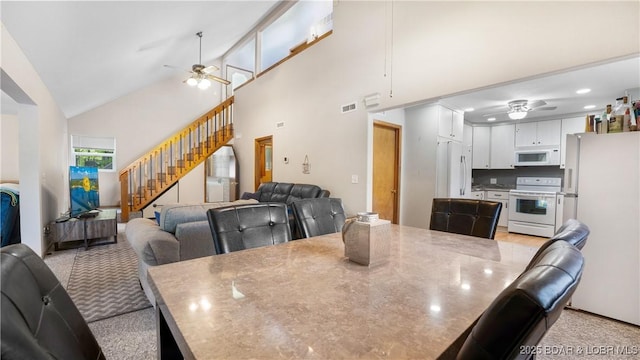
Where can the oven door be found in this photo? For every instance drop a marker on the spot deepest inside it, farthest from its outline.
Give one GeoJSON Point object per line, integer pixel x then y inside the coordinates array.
{"type": "Point", "coordinates": [532, 207]}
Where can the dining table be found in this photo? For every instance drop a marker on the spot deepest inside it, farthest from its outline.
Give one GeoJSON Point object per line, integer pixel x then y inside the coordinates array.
{"type": "Point", "coordinates": [305, 299]}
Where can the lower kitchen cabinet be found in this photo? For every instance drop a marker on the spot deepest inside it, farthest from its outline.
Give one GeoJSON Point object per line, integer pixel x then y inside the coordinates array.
{"type": "Point", "coordinates": [503, 197]}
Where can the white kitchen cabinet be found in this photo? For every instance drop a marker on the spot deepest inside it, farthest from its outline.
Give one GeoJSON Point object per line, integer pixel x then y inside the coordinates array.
{"type": "Point", "coordinates": [450, 124]}
{"type": "Point", "coordinates": [477, 195]}
{"type": "Point", "coordinates": [502, 154]}
{"type": "Point", "coordinates": [502, 197]}
{"type": "Point", "coordinates": [538, 133]}
{"type": "Point", "coordinates": [573, 125]}
{"type": "Point", "coordinates": [467, 135]}
{"type": "Point", "coordinates": [481, 147]}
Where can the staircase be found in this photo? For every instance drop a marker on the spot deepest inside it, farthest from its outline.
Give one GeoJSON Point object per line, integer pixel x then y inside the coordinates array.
{"type": "Point", "coordinates": [155, 172]}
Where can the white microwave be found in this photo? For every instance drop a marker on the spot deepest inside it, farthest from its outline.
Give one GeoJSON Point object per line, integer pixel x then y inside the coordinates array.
{"type": "Point", "coordinates": [538, 157]}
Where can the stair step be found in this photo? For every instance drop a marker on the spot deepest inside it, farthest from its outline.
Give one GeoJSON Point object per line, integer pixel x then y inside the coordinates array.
{"type": "Point", "coordinates": [181, 163]}
{"type": "Point", "coordinates": [162, 177]}
{"type": "Point", "coordinates": [189, 156]}
{"type": "Point", "coordinates": [171, 170]}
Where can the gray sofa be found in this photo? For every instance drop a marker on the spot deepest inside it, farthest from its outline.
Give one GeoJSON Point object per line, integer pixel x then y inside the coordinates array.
{"type": "Point", "coordinates": [183, 233]}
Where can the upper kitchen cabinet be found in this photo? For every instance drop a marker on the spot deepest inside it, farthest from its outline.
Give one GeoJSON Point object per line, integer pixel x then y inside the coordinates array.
{"type": "Point", "coordinates": [467, 135]}
{"type": "Point", "coordinates": [481, 147]}
{"type": "Point", "coordinates": [450, 124]}
{"type": "Point", "coordinates": [539, 133]}
{"type": "Point", "coordinates": [573, 125]}
{"type": "Point", "coordinates": [502, 146]}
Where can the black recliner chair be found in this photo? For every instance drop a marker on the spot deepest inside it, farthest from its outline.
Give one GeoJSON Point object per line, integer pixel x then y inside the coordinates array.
{"type": "Point", "coordinates": [39, 319]}
{"type": "Point", "coordinates": [465, 216]}
{"type": "Point", "coordinates": [523, 312]}
{"type": "Point", "coordinates": [248, 226]}
{"type": "Point", "coordinates": [318, 216]}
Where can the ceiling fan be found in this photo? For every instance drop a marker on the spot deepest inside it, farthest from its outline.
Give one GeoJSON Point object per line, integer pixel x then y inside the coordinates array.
{"type": "Point", "coordinates": [200, 74]}
{"type": "Point", "coordinates": [518, 109]}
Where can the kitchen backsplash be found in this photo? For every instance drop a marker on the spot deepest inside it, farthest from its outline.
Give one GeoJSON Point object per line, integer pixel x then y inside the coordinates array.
{"type": "Point", "coordinates": [507, 177]}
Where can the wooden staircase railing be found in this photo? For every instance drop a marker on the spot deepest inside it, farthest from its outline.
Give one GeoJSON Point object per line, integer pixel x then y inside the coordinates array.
{"type": "Point", "coordinates": [158, 170]}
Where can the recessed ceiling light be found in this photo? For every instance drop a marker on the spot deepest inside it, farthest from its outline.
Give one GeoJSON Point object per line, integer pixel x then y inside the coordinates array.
{"type": "Point", "coordinates": [583, 91]}
{"type": "Point", "coordinates": [589, 107]}
{"type": "Point", "coordinates": [469, 109]}
{"type": "Point", "coordinates": [491, 119]}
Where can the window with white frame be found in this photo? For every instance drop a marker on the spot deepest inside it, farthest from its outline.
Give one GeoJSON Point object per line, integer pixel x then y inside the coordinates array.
{"type": "Point", "coordinates": [93, 151]}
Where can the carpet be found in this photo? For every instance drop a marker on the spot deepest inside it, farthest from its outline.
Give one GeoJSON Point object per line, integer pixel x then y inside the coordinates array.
{"type": "Point", "coordinates": [104, 281]}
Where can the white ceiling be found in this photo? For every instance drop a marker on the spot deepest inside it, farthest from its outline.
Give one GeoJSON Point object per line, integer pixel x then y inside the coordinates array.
{"type": "Point", "coordinates": [89, 53]}
{"type": "Point", "coordinates": [607, 82]}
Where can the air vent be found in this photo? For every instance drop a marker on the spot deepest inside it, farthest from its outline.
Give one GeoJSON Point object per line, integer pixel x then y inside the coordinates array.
{"type": "Point", "coordinates": [280, 125]}
{"type": "Point", "coordinates": [348, 108]}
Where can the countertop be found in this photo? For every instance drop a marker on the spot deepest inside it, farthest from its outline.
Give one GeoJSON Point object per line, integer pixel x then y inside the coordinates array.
{"type": "Point", "coordinates": [492, 187]}
{"type": "Point", "coordinates": [304, 299]}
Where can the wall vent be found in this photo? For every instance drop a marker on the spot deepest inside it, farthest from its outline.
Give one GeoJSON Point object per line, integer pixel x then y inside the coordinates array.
{"type": "Point", "coordinates": [348, 108]}
{"type": "Point", "coordinates": [280, 125]}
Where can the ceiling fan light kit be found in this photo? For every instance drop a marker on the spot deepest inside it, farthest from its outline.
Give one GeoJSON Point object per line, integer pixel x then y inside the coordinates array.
{"type": "Point", "coordinates": [200, 76]}
{"type": "Point", "coordinates": [517, 115]}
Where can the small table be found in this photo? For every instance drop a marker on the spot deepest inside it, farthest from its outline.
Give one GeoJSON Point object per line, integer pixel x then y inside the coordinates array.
{"type": "Point", "coordinates": [304, 299]}
{"type": "Point", "coordinates": [101, 226]}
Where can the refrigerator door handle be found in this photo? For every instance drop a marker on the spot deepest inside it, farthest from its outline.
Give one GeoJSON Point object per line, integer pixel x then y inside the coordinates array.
{"type": "Point", "coordinates": [463, 188]}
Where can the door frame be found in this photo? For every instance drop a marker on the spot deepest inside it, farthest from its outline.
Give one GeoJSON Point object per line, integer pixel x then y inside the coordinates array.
{"type": "Point", "coordinates": [257, 166]}
{"type": "Point", "coordinates": [398, 159]}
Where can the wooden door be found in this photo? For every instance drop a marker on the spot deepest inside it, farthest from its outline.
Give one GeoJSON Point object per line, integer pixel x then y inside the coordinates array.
{"type": "Point", "coordinates": [386, 169]}
{"type": "Point", "coordinates": [264, 160]}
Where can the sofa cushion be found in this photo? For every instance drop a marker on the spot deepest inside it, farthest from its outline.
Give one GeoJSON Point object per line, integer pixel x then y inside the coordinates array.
{"type": "Point", "coordinates": [174, 214]}
{"type": "Point", "coordinates": [153, 245]}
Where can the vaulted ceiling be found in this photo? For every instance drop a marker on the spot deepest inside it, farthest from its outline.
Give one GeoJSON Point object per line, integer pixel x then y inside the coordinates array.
{"type": "Point", "coordinates": [91, 52]}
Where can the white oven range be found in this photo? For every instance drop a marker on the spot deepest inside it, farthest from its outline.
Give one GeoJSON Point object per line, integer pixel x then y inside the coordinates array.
{"type": "Point", "coordinates": [532, 206]}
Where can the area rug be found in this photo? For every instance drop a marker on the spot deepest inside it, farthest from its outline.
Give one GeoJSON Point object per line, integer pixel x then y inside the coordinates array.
{"type": "Point", "coordinates": [104, 281]}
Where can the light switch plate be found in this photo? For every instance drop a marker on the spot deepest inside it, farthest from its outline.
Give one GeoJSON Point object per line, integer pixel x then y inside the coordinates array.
{"type": "Point", "coordinates": [493, 181]}
{"type": "Point", "coordinates": [354, 179]}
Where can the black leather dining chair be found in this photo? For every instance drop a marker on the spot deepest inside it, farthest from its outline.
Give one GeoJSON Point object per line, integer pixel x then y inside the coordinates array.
{"type": "Point", "coordinates": [318, 216]}
{"type": "Point", "coordinates": [248, 226]}
{"type": "Point", "coordinates": [522, 313]}
{"type": "Point", "coordinates": [38, 318]}
{"type": "Point", "coordinates": [572, 231]}
{"type": "Point", "coordinates": [465, 216]}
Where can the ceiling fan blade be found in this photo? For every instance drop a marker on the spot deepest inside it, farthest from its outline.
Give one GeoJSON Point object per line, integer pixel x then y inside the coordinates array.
{"type": "Point", "coordinates": [494, 114]}
{"type": "Point", "coordinates": [177, 68]}
{"type": "Point", "coordinates": [210, 69]}
{"type": "Point", "coordinates": [545, 108]}
{"type": "Point", "coordinates": [218, 79]}
{"type": "Point", "coordinates": [534, 104]}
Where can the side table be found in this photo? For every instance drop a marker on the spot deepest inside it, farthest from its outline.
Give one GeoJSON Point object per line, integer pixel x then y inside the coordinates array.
{"type": "Point", "coordinates": [102, 226]}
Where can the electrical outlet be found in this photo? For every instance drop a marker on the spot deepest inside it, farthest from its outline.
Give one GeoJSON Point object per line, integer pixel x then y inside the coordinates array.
{"type": "Point", "coordinates": [493, 181]}
{"type": "Point", "coordinates": [354, 179]}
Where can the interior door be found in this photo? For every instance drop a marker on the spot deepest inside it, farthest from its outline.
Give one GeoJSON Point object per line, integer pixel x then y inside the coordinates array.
{"type": "Point", "coordinates": [264, 160]}
{"type": "Point", "coordinates": [386, 165]}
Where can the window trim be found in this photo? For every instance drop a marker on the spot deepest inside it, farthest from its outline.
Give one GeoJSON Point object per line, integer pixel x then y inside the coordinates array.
{"type": "Point", "coordinates": [74, 153]}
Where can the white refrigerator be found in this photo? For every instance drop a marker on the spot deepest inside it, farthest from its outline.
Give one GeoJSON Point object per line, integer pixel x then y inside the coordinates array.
{"type": "Point", "coordinates": [453, 169]}
{"type": "Point", "coordinates": [602, 190]}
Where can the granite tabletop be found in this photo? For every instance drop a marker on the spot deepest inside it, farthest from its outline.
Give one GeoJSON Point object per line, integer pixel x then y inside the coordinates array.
{"type": "Point", "coordinates": [305, 299]}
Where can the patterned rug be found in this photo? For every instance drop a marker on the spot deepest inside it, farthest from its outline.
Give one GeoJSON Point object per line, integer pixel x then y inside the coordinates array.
{"type": "Point", "coordinates": [104, 281]}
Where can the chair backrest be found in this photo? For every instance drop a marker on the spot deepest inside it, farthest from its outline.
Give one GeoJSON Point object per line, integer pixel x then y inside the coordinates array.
{"type": "Point", "coordinates": [242, 227]}
{"type": "Point", "coordinates": [465, 216]}
{"type": "Point", "coordinates": [523, 312]}
{"type": "Point", "coordinates": [319, 216]}
{"type": "Point", "coordinates": [572, 231]}
{"type": "Point", "coordinates": [39, 319]}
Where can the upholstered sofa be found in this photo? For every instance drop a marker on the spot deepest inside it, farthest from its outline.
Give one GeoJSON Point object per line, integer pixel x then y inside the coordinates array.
{"type": "Point", "coordinates": [287, 193]}
{"type": "Point", "coordinates": [182, 232]}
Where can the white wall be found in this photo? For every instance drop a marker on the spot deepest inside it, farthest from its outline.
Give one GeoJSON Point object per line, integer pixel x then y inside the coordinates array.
{"type": "Point", "coordinates": [9, 165]}
{"type": "Point", "coordinates": [141, 120]}
{"type": "Point", "coordinates": [430, 49]}
{"type": "Point", "coordinates": [42, 145]}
